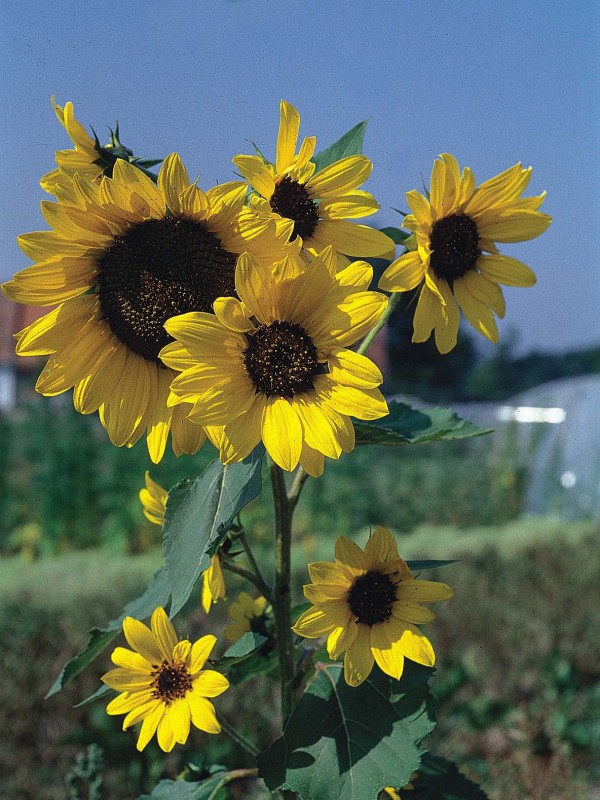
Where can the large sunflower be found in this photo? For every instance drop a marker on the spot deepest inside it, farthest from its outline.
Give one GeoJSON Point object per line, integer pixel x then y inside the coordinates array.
{"type": "Point", "coordinates": [368, 603]}
{"type": "Point", "coordinates": [454, 257]}
{"type": "Point", "coordinates": [162, 682]}
{"type": "Point", "coordinates": [275, 366]}
{"type": "Point", "coordinates": [122, 261]}
{"type": "Point", "coordinates": [315, 208]}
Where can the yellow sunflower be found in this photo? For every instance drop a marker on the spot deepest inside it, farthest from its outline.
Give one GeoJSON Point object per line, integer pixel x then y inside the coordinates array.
{"type": "Point", "coordinates": [368, 603]}
{"type": "Point", "coordinates": [129, 255]}
{"type": "Point", "coordinates": [154, 501]}
{"type": "Point", "coordinates": [315, 208]}
{"type": "Point", "coordinates": [162, 682]}
{"type": "Point", "coordinates": [247, 615]}
{"type": "Point", "coordinates": [275, 365]}
{"type": "Point", "coordinates": [454, 257]}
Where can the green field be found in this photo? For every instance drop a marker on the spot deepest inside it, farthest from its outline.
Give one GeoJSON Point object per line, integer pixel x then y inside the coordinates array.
{"type": "Point", "coordinates": [518, 657]}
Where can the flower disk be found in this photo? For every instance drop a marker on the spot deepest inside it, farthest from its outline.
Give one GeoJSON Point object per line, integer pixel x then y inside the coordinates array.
{"type": "Point", "coordinates": [368, 604]}
{"type": "Point", "coordinates": [453, 256]}
{"type": "Point", "coordinates": [162, 682]}
{"type": "Point", "coordinates": [274, 365]}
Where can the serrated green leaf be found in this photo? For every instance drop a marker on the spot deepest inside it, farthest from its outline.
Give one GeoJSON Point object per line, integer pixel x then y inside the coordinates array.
{"type": "Point", "coordinates": [345, 743]}
{"type": "Point", "coordinates": [396, 235]}
{"type": "Point", "coordinates": [407, 425]}
{"type": "Point", "coordinates": [350, 144]}
{"type": "Point", "coordinates": [197, 517]}
{"type": "Point", "coordinates": [157, 594]}
{"type": "Point", "coordinates": [245, 646]}
{"type": "Point", "coordinates": [440, 779]}
{"type": "Point", "coordinates": [210, 789]}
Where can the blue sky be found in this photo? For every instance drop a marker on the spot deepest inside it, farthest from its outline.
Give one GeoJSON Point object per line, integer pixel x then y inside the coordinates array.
{"type": "Point", "coordinates": [491, 83]}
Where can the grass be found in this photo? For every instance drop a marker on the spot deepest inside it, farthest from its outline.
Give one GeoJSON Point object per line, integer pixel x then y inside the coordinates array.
{"type": "Point", "coordinates": [518, 659]}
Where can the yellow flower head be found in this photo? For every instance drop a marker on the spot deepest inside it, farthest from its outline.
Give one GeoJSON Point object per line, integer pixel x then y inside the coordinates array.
{"type": "Point", "coordinates": [154, 501]}
{"type": "Point", "coordinates": [368, 603]}
{"type": "Point", "coordinates": [456, 260]}
{"type": "Point", "coordinates": [245, 614]}
{"type": "Point", "coordinates": [274, 365]}
{"type": "Point", "coordinates": [162, 682]}
{"type": "Point", "coordinates": [126, 257]}
{"type": "Point", "coordinates": [315, 208]}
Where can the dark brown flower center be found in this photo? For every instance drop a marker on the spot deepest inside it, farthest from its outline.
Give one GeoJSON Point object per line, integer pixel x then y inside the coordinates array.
{"type": "Point", "coordinates": [171, 681]}
{"type": "Point", "coordinates": [281, 359]}
{"type": "Point", "coordinates": [292, 200]}
{"type": "Point", "coordinates": [156, 270]}
{"type": "Point", "coordinates": [371, 597]}
{"type": "Point", "coordinates": [454, 241]}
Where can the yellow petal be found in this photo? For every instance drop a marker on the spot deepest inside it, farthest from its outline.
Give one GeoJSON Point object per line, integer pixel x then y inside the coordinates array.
{"type": "Point", "coordinates": [349, 206]}
{"type": "Point", "coordinates": [210, 683]}
{"type": "Point", "coordinates": [172, 181]}
{"type": "Point", "coordinates": [149, 726]}
{"type": "Point", "coordinates": [164, 632]}
{"type": "Point", "coordinates": [341, 639]}
{"type": "Point", "coordinates": [403, 274]}
{"type": "Point", "coordinates": [381, 547]}
{"type": "Point", "coordinates": [423, 591]}
{"type": "Point", "coordinates": [203, 713]}
{"type": "Point", "coordinates": [476, 312]}
{"type": "Point", "coordinates": [289, 126]}
{"type": "Point", "coordinates": [358, 661]}
{"type": "Point", "coordinates": [257, 174]}
{"type": "Point", "coordinates": [339, 178]}
{"type": "Point", "coordinates": [348, 552]}
{"type": "Point", "coordinates": [353, 239]}
{"type": "Point", "coordinates": [386, 650]}
{"type": "Point", "coordinates": [485, 291]}
{"type": "Point", "coordinates": [200, 652]}
{"type": "Point", "coordinates": [140, 638]}
{"type": "Point", "coordinates": [506, 270]}
{"type": "Point", "coordinates": [230, 312]}
{"type": "Point", "coordinates": [514, 226]}
{"type": "Point", "coordinates": [282, 432]}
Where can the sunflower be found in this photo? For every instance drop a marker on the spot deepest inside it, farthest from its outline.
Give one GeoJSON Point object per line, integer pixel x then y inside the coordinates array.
{"type": "Point", "coordinates": [275, 366]}
{"type": "Point", "coordinates": [247, 614]}
{"type": "Point", "coordinates": [454, 257]}
{"type": "Point", "coordinates": [314, 209]}
{"type": "Point", "coordinates": [154, 502]}
{"type": "Point", "coordinates": [129, 255]}
{"type": "Point", "coordinates": [368, 604]}
{"type": "Point", "coordinates": [162, 682]}
{"type": "Point", "coordinates": [88, 158]}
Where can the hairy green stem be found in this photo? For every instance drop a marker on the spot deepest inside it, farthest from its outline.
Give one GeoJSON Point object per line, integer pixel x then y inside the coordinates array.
{"type": "Point", "coordinates": [253, 564]}
{"type": "Point", "coordinates": [370, 338]}
{"type": "Point", "coordinates": [237, 737]}
{"type": "Point", "coordinates": [282, 596]}
{"type": "Point", "coordinates": [250, 576]}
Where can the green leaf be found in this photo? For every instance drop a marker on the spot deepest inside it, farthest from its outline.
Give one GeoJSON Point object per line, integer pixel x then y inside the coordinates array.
{"type": "Point", "coordinates": [350, 144]}
{"type": "Point", "coordinates": [245, 646]}
{"type": "Point", "coordinates": [345, 743]}
{"type": "Point", "coordinates": [101, 692]}
{"type": "Point", "coordinates": [407, 425]}
{"type": "Point", "coordinates": [439, 779]}
{"type": "Point", "coordinates": [426, 564]}
{"type": "Point", "coordinates": [396, 235]}
{"type": "Point", "coordinates": [210, 789]}
{"type": "Point", "coordinates": [198, 515]}
{"type": "Point", "coordinates": [157, 594]}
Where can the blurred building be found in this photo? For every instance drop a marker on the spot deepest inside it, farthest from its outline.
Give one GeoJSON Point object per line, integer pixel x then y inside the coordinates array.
{"type": "Point", "coordinates": [17, 373]}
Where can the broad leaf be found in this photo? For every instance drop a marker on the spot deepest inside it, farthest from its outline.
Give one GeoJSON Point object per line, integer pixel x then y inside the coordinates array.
{"type": "Point", "coordinates": [439, 779]}
{"type": "Point", "coordinates": [157, 594]}
{"type": "Point", "coordinates": [396, 235]}
{"type": "Point", "coordinates": [210, 789]}
{"type": "Point", "coordinates": [427, 564]}
{"type": "Point", "coordinates": [198, 515]}
{"type": "Point", "coordinates": [244, 647]}
{"type": "Point", "coordinates": [407, 425]}
{"type": "Point", "coordinates": [350, 144]}
{"type": "Point", "coordinates": [344, 743]}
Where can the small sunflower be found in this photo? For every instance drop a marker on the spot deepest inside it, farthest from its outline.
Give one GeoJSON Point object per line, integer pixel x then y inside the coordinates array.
{"type": "Point", "coordinates": [454, 257]}
{"type": "Point", "coordinates": [154, 502]}
{"type": "Point", "coordinates": [275, 366]}
{"type": "Point", "coordinates": [89, 158]}
{"type": "Point", "coordinates": [315, 208]}
{"type": "Point", "coordinates": [368, 603]}
{"type": "Point", "coordinates": [247, 614]}
{"type": "Point", "coordinates": [129, 255]}
{"type": "Point", "coordinates": [162, 682]}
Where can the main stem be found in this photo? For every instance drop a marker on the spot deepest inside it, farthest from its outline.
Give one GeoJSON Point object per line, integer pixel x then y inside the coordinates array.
{"type": "Point", "coordinates": [282, 596]}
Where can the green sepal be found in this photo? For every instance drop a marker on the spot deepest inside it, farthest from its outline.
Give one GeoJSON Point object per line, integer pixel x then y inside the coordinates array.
{"type": "Point", "coordinates": [198, 515]}
{"type": "Point", "coordinates": [350, 144]}
{"type": "Point", "coordinates": [363, 738]}
{"type": "Point", "coordinates": [407, 425]}
{"type": "Point", "coordinates": [157, 594]}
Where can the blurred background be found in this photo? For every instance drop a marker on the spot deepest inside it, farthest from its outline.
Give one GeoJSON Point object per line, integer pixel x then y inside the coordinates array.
{"type": "Point", "coordinates": [518, 646]}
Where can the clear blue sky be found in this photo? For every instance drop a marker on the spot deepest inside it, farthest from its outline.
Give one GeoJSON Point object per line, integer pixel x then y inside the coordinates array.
{"type": "Point", "coordinates": [493, 83]}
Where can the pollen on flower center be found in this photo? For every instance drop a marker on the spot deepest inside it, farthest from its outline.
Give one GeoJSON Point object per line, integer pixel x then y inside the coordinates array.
{"type": "Point", "coordinates": [171, 681]}
{"type": "Point", "coordinates": [371, 598]}
{"type": "Point", "coordinates": [281, 359]}
{"type": "Point", "coordinates": [292, 200]}
{"type": "Point", "coordinates": [156, 270]}
{"type": "Point", "coordinates": [454, 241]}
